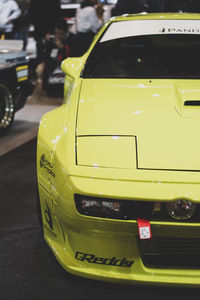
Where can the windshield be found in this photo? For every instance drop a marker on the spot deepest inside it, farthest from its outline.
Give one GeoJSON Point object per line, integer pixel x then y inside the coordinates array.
{"type": "Point", "coordinates": [147, 56]}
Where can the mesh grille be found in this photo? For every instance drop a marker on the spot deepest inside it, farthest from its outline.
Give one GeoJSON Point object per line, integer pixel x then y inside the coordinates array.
{"type": "Point", "coordinates": [165, 252]}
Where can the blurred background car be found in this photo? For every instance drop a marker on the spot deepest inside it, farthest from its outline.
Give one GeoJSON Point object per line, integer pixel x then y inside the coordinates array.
{"type": "Point", "coordinates": [15, 84]}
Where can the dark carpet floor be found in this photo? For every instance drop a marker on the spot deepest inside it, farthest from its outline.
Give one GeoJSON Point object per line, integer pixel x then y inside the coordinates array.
{"type": "Point", "coordinates": [28, 270]}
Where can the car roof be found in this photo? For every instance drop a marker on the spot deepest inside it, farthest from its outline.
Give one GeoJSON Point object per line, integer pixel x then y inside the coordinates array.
{"type": "Point", "coordinates": [157, 16]}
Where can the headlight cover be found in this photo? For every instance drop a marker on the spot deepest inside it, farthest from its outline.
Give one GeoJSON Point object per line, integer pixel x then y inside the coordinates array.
{"type": "Point", "coordinates": [97, 207]}
{"type": "Point", "coordinates": [134, 209]}
{"type": "Point", "coordinates": [112, 208]}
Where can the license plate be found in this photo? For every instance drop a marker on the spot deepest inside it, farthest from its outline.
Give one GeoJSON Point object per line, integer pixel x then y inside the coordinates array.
{"type": "Point", "coordinates": [22, 73]}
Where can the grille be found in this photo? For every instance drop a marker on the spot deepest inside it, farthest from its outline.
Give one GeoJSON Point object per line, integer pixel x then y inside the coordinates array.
{"type": "Point", "coordinates": [167, 252]}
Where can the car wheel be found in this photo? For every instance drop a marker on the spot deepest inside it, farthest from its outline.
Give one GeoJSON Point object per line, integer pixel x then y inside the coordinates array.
{"type": "Point", "coordinates": [7, 108]}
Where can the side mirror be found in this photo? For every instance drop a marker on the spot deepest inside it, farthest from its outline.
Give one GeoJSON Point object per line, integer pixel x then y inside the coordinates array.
{"type": "Point", "coordinates": [72, 66]}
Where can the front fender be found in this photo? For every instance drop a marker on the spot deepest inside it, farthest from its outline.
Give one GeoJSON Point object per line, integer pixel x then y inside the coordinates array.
{"type": "Point", "coordinates": [51, 128]}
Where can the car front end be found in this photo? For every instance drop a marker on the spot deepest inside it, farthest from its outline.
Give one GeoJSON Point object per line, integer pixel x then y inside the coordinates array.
{"type": "Point", "coordinates": [118, 162]}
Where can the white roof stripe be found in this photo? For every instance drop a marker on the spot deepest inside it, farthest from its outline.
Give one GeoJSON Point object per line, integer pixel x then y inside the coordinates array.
{"type": "Point", "coordinates": [148, 27]}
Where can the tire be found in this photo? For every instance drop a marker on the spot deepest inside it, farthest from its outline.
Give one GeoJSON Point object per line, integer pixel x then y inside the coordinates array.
{"type": "Point", "coordinates": [7, 108]}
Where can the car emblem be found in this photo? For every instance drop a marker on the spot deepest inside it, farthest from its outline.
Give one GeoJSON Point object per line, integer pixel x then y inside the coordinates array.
{"type": "Point", "coordinates": [181, 209]}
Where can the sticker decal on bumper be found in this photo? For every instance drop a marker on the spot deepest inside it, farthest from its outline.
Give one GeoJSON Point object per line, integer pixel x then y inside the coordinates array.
{"type": "Point", "coordinates": [91, 258]}
{"type": "Point", "coordinates": [22, 73]}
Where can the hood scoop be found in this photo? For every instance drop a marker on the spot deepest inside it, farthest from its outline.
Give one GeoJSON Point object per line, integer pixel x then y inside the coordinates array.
{"type": "Point", "coordinates": [188, 102]}
{"type": "Point", "coordinates": [192, 103]}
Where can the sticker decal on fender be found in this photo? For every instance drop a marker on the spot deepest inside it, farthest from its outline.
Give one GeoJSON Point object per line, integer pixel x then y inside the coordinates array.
{"type": "Point", "coordinates": [48, 217]}
{"type": "Point", "coordinates": [49, 221]}
{"type": "Point", "coordinates": [44, 163]}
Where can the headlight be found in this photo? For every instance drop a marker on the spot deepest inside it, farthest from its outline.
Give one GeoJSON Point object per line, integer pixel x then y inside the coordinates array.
{"type": "Point", "coordinates": [98, 207]}
{"type": "Point", "coordinates": [113, 208]}
{"type": "Point", "coordinates": [181, 209]}
{"type": "Point", "coordinates": [134, 209]}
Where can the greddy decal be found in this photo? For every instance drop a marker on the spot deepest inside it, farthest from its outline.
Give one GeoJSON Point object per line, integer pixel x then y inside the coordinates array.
{"type": "Point", "coordinates": [44, 163]}
{"type": "Point", "coordinates": [91, 258]}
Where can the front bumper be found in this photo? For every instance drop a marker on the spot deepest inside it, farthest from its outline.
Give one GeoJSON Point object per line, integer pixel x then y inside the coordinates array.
{"type": "Point", "coordinates": [109, 250]}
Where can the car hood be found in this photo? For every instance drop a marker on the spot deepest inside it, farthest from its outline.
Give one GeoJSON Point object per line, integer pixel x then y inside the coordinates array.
{"type": "Point", "coordinates": [162, 116]}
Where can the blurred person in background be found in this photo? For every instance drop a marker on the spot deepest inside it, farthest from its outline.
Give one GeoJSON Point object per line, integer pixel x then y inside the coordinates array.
{"type": "Point", "coordinates": [158, 5]}
{"type": "Point", "coordinates": [89, 19]}
{"type": "Point", "coordinates": [64, 37]}
{"type": "Point", "coordinates": [21, 24]}
{"type": "Point", "coordinates": [9, 11]}
{"type": "Point", "coordinates": [194, 6]}
{"type": "Point", "coordinates": [44, 14]}
{"type": "Point", "coordinates": [176, 6]}
{"type": "Point", "coordinates": [145, 5]}
{"type": "Point", "coordinates": [58, 47]}
{"type": "Point", "coordinates": [137, 6]}
{"type": "Point", "coordinates": [125, 7]}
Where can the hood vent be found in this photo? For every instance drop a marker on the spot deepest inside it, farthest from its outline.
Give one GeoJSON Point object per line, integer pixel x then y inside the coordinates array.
{"type": "Point", "coordinates": [192, 103]}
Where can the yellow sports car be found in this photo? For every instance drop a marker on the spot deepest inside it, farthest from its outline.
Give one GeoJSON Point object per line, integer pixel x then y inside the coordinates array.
{"type": "Point", "coordinates": [119, 162]}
